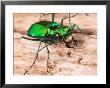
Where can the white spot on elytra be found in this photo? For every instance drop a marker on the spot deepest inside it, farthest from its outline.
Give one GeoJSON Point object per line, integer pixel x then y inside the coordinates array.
{"type": "Point", "coordinates": [32, 34]}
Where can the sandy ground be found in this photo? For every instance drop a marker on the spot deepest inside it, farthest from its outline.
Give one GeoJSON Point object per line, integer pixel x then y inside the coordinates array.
{"type": "Point", "coordinates": [80, 60]}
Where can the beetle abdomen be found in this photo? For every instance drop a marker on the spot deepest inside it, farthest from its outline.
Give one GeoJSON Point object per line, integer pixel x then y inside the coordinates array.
{"type": "Point", "coordinates": [37, 31]}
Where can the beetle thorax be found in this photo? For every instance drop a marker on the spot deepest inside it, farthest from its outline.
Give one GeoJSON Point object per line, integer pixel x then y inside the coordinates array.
{"type": "Point", "coordinates": [54, 25]}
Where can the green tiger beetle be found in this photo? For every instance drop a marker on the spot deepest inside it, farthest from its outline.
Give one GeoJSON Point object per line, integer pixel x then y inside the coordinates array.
{"type": "Point", "coordinates": [50, 32]}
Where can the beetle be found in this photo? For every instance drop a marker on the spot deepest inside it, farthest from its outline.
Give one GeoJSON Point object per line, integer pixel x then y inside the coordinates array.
{"type": "Point", "coordinates": [50, 32]}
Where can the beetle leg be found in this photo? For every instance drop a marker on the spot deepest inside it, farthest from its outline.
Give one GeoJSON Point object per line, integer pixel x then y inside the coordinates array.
{"type": "Point", "coordinates": [67, 17]}
{"type": "Point", "coordinates": [78, 28]}
{"type": "Point", "coordinates": [52, 17]}
{"type": "Point", "coordinates": [37, 52]}
{"type": "Point", "coordinates": [48, 55]}
{"type": "Point", "coordinates": [34, 60]}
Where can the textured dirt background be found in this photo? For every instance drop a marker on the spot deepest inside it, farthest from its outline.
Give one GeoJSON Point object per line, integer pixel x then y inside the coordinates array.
{"type": "Point", "coordinates": [81, 60]}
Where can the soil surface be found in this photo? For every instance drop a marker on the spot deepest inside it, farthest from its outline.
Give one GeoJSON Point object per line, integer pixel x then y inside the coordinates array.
{"type": "Point", "coordinates": [80, 60]}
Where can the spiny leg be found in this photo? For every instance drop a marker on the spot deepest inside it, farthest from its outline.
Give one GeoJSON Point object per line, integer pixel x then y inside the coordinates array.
{"type": "Point", "coordinates": [48, 55]}
{"type": "Point", "coordinates": [34, 60]}
{"type": "Point", "coordinates": [69, 19]}
{"type": "Point", "coordinates": [52, 17]}
{"type": "Point", "coordinates": [78, 27]}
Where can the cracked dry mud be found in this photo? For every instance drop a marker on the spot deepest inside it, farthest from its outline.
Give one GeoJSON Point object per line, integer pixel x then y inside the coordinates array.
{"type": "Point", "coordinates": [80, 60]}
